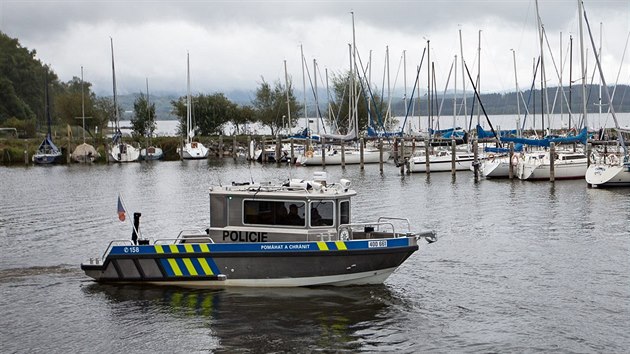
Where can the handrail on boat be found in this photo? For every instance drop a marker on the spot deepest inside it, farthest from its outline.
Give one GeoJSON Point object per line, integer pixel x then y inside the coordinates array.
{"type": "Point", "coordinates": [175, 240]}
{"type": "Point", "coordinates": [404, 220]}
{"type": "Point", "coordinates": [116, 243]}
{"type": "Point", "coordinates": [345, 230]}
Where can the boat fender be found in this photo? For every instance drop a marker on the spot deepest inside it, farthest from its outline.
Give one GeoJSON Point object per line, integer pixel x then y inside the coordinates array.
{"type": "Point", "coordinates": [491, 157]}
{"type": "Point", "coordinates": [514, 160]}
{"type": "Point", "coordinates": [309, 153]}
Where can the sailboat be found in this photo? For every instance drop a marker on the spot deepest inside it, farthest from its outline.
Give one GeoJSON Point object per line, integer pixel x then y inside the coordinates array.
{"type": "Point", "coordinates": [150, 152]}
{"type": "Point", "coordinates": [441, 158]}
{"type": "Point", "coordinates": [120, 151]}
{"type": "Point", "coordinates": [335, 155]}
{"type": "Point", "coordinates": [612, 170]}
{"type": "Point", "coordinates": [47, 152]}
{"type": "Point", "coordinates": [192, 149]}
{"type": "Point", "coordinates": [568, 164]}
{"type": "Point", "coordinates": [84, 153]}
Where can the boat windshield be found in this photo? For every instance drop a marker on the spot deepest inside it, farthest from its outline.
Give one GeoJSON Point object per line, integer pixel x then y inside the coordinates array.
{"type": "Point", "coordinates": [322, 213]}
{"type": "Point", "coordinates": [269, 212]}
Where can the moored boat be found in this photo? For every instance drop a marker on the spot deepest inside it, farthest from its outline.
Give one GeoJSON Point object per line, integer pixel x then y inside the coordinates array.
{"type": "Point", "coordinates": [261, 235]}
{"type": "Point", "coordinates": [441, 161]}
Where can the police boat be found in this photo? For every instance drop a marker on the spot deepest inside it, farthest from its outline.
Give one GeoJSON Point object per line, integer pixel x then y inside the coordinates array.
{"type": "Point", "coordinates": [261, 235]}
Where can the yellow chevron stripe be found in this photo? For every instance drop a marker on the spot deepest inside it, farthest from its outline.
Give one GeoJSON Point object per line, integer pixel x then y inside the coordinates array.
{"type": "Point", "coordinates": [205, 266]}
{"type": "Point", "coordinates": [204, 247]}
{"type": "Point", "coordinates": [341, 246]}
{"type": "Point", "coordinates": [322, 246]}
{"type": "Point", "coordinates": [158, 249]}
{"type": "Point", "coordinates": [175, 267]}
{"type": "Point", "coordinates": [189, 248]}
{"type": "Point", "coordinates": [173, 248]}
{"type": "Point", "coordinates": [191, 268]}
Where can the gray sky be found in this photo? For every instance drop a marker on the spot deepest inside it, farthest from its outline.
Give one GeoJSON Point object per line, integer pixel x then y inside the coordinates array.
{"type": "Point", "coordinates": [234, 43]}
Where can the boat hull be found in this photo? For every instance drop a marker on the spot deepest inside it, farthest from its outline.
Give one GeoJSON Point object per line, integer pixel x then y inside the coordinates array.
{"type": "Point", "coordinates": [498, 168]}
{"type": "Point", "coordinates": [440, 164]}
{"type": "Point", "coordinates": [542, 171]}
{"type": "Point", "coordinates": [350, 158]}
{"type": "Point", "coordinates": [46, 159]}
{"type": "Point", "coordinates": [272, 264]}
{"type": "Point", "coordinates": [151, 153]}
{"type": "Point", "coordinates": [607, 175]}
{"type": "Point", "coordinates": [124, 153]}
{"type": "Point", "coordinates": [194, 151]}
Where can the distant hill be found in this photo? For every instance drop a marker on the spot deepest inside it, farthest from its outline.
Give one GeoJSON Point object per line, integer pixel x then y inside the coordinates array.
{"type": "Point", "coordinates": [494, 103]}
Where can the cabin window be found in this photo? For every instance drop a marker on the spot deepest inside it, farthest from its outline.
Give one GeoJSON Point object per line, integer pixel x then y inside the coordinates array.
{"type": "Point", "coordinates": [269, 212]}
{"type": "Point", "coordinates": [344, 212]}
{"type": "Point", "coordinates": [322, 213]}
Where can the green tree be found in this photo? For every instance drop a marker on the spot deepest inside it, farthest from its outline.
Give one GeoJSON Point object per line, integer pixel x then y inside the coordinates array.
{"type": "Point", "coordinates": [241, 117]}
{"type": "Point", "coordinates": [104, 112]}
{"type": "Point", "coordinates": [143, 120]}
{"type": "Point", "coordinates": [22, 80]}
{"type": "Point", "coordinates": [340, 104]}
{"type": "Point", "coordinates": [209, 113]}
{"type": "Point", "coordinates": [68, 104]}
{"type": "Point", "coordinates": [270, 106]}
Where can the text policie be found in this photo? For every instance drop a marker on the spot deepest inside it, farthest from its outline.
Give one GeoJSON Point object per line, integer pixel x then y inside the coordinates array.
{"type": "Point", "coordinates": [245, 236]}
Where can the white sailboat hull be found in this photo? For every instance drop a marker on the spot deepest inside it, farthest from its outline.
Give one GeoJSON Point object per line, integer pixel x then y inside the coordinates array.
{"type": "Point", "coordinates": [194, 150]}
{"type": "Point", "coordinates": [607, 175]}
{"type": "Point", "coordinates": [497, 168]}
{"type": "Point", "coordinates": [124, 153]}
{"type": "Point", "coordinates": [441, 163]}
{"type": "Point", "coordinates": [351, 157]}
{"type": "Point", "coordinates": [538, 167]}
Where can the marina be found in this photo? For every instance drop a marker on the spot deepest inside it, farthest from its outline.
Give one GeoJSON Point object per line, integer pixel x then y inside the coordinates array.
{"type": "Point", "coordinates": [519, 265]}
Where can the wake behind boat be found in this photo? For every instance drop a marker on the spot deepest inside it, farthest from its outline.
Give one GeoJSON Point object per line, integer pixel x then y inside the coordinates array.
{"type": "Point", "coordinates": [261, 235]}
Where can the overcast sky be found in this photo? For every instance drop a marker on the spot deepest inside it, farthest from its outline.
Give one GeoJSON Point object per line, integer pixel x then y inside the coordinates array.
{"type": "Point", "coordinates": [234, 43]}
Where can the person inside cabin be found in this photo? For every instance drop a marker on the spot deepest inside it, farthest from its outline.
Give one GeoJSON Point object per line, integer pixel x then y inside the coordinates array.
{"type": "Point", "coordinates": [316, 219]}
{"type": "Point", "coordinates": [281, 215]}
{"type": "Point", "coordinates": [293, 218]}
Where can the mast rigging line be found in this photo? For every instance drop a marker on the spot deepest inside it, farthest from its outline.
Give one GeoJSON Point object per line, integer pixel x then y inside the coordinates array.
{"type": "Point", "coordinates": [481, 105]}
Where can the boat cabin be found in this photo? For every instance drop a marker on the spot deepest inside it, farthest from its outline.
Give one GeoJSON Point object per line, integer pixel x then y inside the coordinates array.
{"type": "Point", "coordinates": [295, 211]}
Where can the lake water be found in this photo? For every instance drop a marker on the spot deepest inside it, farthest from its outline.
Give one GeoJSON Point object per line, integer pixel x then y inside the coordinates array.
{"type": "Point", "coordinates": [519, 267]}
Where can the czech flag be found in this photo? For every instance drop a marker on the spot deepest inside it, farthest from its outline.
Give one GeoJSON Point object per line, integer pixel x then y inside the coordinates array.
{"type": "Point", "coordinates": [121, 210]}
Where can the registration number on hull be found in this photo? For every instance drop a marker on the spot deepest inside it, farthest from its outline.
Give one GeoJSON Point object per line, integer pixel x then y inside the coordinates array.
{"type": "Point", "coordinates": [377, 244]}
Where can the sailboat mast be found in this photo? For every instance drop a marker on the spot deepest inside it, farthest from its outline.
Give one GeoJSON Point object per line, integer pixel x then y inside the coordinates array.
{"type": "Point", "coordinates": [48, 116]}
{"type": "Point", "coordinates": [429, 124]}
{"type": "Point", "coordinates": [316, 95]}
{"type": "Point", "coordinates": [582, 63]}
{"type": "Point", "coordinates": [82, 104]}
{"type": "Point", "coordinates": [148, 122]}
{"type": "Point", "coordinates": [354, 89]}
{"type": "Point", "coordinates": [405, 83]}
{"type": "Point", "coordinates": [461, 52]}
{"type": "Point", "coordinates": [455, 94]}
{"type": "Point", "coordinates": [570, 78]}
{"type": "Point", "coordinates": [518, 99]}
{"type": "Point", "coordinates": [478, 89]}
{"type": "Point", "coordinates": [542, 69]}
{"type": "Point", "coordinates": [188, 99]}
{"type": "Point", "coordinates": [308, 125]}
{"type": "Point", "coordinates": [389, 90]}
{"type": "Point", "coordinates": [286, 83]}
{"type": "Point", "coordinates": [114, 85]}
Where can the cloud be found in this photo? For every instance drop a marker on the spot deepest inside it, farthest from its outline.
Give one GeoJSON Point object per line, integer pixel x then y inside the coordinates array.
{"type": "Point", "coordinates": [233, 44]}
